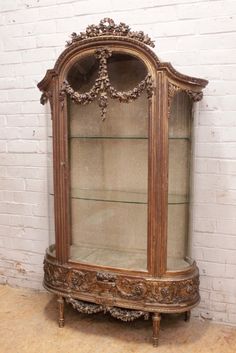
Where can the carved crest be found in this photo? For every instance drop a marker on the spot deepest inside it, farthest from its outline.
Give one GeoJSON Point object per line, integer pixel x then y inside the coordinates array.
{"type": "Point", "coordinates": [108, 27]}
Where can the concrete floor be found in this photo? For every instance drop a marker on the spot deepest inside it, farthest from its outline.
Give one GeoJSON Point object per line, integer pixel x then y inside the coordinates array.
{"type": "Point", "coordinates": [29, 324]}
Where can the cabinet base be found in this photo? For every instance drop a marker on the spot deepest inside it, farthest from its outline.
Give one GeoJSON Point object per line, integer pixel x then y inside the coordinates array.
{"type": "Point", "coordinates": [123, 295]}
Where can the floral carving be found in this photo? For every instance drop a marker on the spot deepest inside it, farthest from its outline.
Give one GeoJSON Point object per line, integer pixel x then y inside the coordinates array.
{"type": "Point", "coordinates": [44, 98]}
{"type": "Point", "coordinates": [102, 87]}
{"type": "Point", "coordinates": [174, 89]}
{"type": "Point", "coordinates": [105, 276]}
{"type": "Point", "coordinates": [56, 276]}
{"type": "Point", "coordinates": [128, 288]}
{"type": "Point", "coordinates": [174, 292]}
{"type": "Point", "coordinates": [78, 280]}
{"type": "Point", "coordinates": [118, 313]}
{"type": "Point", "coordinates": [127, 315]}
{"type": "Point", "coordinates": [85, 307]}
{"type": "Point", "coordinates": [107, 27]}
{"type": "Point", "coordinates": [109, 285]}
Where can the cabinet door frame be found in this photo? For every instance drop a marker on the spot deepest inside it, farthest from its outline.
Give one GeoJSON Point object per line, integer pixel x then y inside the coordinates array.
{"type": "Point", "coordinates": [156, 162]}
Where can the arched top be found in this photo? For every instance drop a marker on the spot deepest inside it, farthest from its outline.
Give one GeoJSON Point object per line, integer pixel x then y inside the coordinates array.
{"type": "Point", "coordinates": [98, 63]}
{"type": "Point", "coordinates": [110, 34]}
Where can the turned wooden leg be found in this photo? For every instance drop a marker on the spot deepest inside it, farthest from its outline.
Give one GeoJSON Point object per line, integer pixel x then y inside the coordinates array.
{"type": "Point", "coordinates": [156, 319]}
{"type": "Point", "coordinates": [61, 304]}
{"type": "Point", "coordinates": [187, 315]}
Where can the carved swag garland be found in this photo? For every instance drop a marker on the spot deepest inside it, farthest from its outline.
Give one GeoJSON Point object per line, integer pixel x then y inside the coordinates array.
{"type": "Point", "coordinates": [102, 87]}
{"type": "Point", "coordinates": [117, 313]}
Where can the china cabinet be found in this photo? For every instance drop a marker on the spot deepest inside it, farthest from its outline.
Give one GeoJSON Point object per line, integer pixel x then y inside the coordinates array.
{"type": "Point", "coordinates": [122, 122]}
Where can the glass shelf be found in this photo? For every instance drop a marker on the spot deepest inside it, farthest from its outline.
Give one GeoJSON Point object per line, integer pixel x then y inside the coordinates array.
{"type": "Point", "coordinates": [111, 137]}
{"type": "Point", "coordinates": [122, 137]}
{"type": "Point", "coordinates": [177, 199]}
{"type": "Point", "coordinates": [135, 259]}
{"type": "Point", "coordinates": [122, 196]}
{"type": "Point", "coordinates": [110, 196]}
{"type": "Point", "coordinates": [179, 138]}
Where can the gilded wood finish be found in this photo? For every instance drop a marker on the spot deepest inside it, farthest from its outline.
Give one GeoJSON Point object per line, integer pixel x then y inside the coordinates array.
{"type": "Point", "coordinates": [125, 294]}
{"type": "Point", "coordinates": [145, 291]}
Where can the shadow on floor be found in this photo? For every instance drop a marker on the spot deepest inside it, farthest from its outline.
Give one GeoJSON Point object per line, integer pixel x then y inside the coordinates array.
{"type": "Point", "coordinates": [174, 330]}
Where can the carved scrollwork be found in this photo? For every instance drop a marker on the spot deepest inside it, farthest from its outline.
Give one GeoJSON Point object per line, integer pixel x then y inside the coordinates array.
{"type": "Point", "coordinates": [107, 27]}
{"type": "Point", "coordinates": [102, 87]}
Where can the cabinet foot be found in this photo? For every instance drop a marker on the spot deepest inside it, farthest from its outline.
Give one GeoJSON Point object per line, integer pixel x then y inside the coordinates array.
{"type": "Point", "coordinates": [187, 315]}
{"type": "Point", "coordinates": [156, 319]}
{"type": "Point", "coordinates": [61, 306]}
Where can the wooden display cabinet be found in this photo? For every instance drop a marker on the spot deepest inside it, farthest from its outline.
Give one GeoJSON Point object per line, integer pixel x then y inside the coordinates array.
{"type": "Point", "coordinates": [121, 155]}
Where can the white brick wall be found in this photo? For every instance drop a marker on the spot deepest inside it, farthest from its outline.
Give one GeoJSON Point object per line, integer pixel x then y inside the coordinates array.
{"type": "Point", "coordinates": [199, 38]}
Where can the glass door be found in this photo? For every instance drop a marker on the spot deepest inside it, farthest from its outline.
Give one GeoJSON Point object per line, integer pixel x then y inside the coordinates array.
{"type": "Point", "coordinates": [109, 168]}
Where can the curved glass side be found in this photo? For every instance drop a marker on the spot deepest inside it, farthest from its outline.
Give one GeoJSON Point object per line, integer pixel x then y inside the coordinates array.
{"type": "Point", "coordinates": [51, 220]}
{"type": "Point", "coordinates": [179, 181]}
{"type": "Point", "coordinates": [108, 168]}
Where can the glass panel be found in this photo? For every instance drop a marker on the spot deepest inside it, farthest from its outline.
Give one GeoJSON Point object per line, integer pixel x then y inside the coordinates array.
{"type": "Point", "coordinates": [51, 224]}
{"type": "Point", "coordinates": [179, 188]}
{"type": "Point", "coordinates": [109, 166]}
